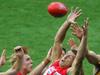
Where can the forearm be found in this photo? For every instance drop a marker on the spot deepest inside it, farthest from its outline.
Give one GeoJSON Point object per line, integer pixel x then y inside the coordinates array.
{"type": "Point", "coordinates": [56, 52]}
{"type": "Point", "coordinates": [92, 57]}
{"type": "Point", "coordinates": [62, 32]}
{"type": "Point", "coordinates": [80, 56]}
{"type": "Point", "coordinates": [1, 62]}
{"type": "Point", "coordinates": [77, 70]}
{"type": "Point", "coordinates": [4, 73]}
{"type": "Point", "coordinates": [82, 49]}
{"type": "Point", "coordinates": [38, 70]}
{"type": "Point", "coordinates": [57, 48]}
{"type": "Point", "coordinates": [10, 72]}
{"type": "Point", "coordinates": [3, 57]}
{"type": "Point", "coordinates": [18, 64]}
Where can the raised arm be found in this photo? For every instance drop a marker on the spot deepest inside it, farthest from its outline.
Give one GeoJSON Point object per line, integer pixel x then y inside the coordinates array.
{"type": "Point", "coordinates": [90, 55]}
{"type": "Point", "coordinates": [3, 57]}
{"type": "Point", "coordinates": [17, 65]}
{"type": "Point", "coordinates": [13, 70]}
{"type": "Point", "coordinates": [77, 31]}
{"type": "Point", "coordinates": [77, 64]}
{"type": "Point", "coordinates": [57, 47]}
{"type": "Point", "coordinates": [38, 70]}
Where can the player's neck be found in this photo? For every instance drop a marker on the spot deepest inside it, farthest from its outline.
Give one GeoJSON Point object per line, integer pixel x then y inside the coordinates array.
{"type": "Point", "coordinates": [23, 72]}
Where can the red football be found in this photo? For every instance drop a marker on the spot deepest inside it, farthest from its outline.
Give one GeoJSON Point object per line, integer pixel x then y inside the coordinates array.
{"type": "Point", "coordinates": [57, 9]}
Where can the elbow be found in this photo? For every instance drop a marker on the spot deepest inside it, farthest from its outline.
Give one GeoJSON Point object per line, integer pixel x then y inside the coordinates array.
{"type": "Point", "coordinates": [56, 40]}
{"type": "Point", "coordinates": [32, 73]}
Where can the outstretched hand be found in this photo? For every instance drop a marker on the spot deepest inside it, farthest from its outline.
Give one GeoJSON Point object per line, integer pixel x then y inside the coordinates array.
{"type": "Point", "coordinates": [85, 26]}
{"type": "Point", "coordinates": [72, 43]}
{"type": "Point", "coordinates": [74, 15]}
{"type": "Point", "coordinates": [77, 31]}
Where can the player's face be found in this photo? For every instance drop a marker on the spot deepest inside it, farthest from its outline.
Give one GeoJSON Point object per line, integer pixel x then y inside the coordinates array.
{"type": "Point", "coordinates": [27, 63]}
{"type": "Point", "coordinates": [66, 60]}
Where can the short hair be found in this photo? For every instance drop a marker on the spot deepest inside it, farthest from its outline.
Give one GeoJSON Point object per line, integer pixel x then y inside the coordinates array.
{"type": "Point", "coordinates": [64, 49]}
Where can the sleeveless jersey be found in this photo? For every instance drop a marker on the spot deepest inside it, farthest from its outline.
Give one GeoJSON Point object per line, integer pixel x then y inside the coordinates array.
{"type": "Point", "coordinates": [55, 69]}
{"type": "Point", "coordinates": [19, 73]}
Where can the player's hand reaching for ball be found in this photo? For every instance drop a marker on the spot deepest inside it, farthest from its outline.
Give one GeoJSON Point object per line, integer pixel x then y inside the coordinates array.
{"type": "Point", "coordinates": [74, 14]}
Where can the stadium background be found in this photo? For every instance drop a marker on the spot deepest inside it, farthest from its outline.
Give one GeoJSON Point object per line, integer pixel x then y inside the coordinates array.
{"type": "Point", "coordinates": [27, 23]}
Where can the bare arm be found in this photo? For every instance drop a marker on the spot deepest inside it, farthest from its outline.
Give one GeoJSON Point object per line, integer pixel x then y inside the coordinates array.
{"type": "Point", "coordinates": [57, 48]}
{"type": "Point", "coordinates": [17, 65]}
{"type": "Point", "coordinates": [91, 56]}
{"type": "Point", "coordinates": [77, 64]}
{"type": "Point", "coordinates": [3, 57]}
{"type": "Point", "coordinates": [39, 69]}
{"type": "Point", "coordinates": [11, 71]}
{"type": "Point", "coordinates": [77, 31]}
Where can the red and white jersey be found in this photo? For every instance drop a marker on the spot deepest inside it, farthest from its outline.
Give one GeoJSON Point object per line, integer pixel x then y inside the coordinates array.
{"type": "Point", "coordinates": [55, 69]}
{"type": "Point", "coordinates": [19, 73]}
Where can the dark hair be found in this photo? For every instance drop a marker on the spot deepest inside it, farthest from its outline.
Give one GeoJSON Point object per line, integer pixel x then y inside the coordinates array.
{"type": "Point", "coordinates": [64, 50]}
{"type": "Point", "coordinates": [74, 51]}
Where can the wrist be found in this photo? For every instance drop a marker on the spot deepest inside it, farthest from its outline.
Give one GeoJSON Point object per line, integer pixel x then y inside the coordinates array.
{"type": "Point", "coordinates": [69, 22]}
{"type": "Point", "coordinates": [46, 61]}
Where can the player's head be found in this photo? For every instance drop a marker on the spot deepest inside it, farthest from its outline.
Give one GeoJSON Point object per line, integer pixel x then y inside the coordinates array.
{"type": "Point", "coordinates": [27, 63]}
{"type": "Point", "coordinates": [18, 48]}
{"type": "Point", "coordinates": [67, 59]}
{"type": "Point", "coordinates": [26, 60]}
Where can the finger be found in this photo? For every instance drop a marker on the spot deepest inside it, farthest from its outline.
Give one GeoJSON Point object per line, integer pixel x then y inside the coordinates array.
{"type": "Point", "coordinates": [71, 40]}
{"type": "Point", "coordinates": [74, 22]}
{"type": "Point", "coordinates": [86, 22]}
{"type": "Point", "coordinates": [78, 12]}
{"type": "Point", "coordinates": [73, 33]}
{"type": "Point", "coordinates": [73, 30]}
{"type": "Point", "coordinates": [87, 19]}
{"type": "Point", "coordinates": [83, 27]}
{"type": "Point", "coordinates": [72, 27]}
{"type": "Point", "coordinates": [75, 27]}
{"type": "Point", "coordinates": [76, 9]}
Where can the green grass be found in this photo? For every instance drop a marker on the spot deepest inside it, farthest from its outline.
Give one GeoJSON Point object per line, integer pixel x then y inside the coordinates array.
{"type": "Point", "coordinates": [27, 23]}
